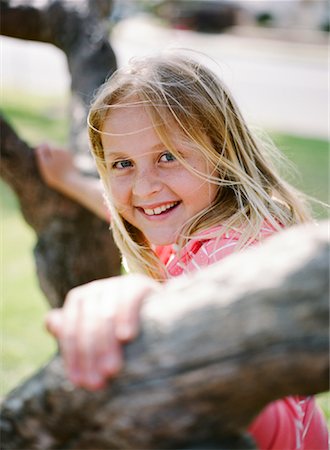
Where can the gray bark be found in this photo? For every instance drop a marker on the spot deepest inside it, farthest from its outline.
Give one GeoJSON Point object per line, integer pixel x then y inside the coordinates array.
{"type": "Point", "coordinates": [73, 245]}
{"type": "Point", "coordinates": [214, 349]}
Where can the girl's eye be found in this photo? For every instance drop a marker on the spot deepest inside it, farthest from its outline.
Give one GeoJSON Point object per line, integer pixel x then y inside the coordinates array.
{"type": "Point", "coordinates": [167, 157]}
{"type": "Point", "coordinates": [122, 164]}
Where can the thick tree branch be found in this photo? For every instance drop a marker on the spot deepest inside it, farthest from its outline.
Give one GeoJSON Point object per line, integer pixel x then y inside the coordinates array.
{"type": "Point", "coordinates": [215, 348]}
{"type": "Point", "coordinates": [80, 29]}
{"type": "Point", "coordinates": [57, 22]}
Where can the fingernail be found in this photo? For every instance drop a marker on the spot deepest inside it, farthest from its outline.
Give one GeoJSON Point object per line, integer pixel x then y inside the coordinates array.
{"type": "Point", "coordinates": [91, 381]}
{"type": "Point", "coordinates": [111, 364]}
{"type": "Point", "coordinates": [75, 377]}
{"type": "Point", "coordinates": [124, 332]}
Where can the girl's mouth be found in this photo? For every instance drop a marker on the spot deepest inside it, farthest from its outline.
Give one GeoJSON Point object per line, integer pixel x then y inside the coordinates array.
{"type": "Point", "coordinates": [160, 210]}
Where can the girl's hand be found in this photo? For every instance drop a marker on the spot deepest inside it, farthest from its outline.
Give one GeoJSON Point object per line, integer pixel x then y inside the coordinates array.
{"type": "Point", "coordinates": [93, 323]}
{"type": "Point", "coordinates": [58, 170]}
{"type": "Point", "coordinates": [56, 166]}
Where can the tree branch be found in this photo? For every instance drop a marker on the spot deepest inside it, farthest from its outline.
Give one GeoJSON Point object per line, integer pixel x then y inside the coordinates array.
{"type": "Point", "coordinates": [215, 348]}
{"type": "Point", "coordinates": [80, 29]}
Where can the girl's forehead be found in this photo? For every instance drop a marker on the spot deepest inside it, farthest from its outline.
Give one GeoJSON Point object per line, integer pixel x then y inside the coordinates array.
{"type": "Point", "coordinates": [136, 119]}
{"type": "Point", "coordinates": [129, 117]}
{"type": "Point", "coordinates": [132, 125]}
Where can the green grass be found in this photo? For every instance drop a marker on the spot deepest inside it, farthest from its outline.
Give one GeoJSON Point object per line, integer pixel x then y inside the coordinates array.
{"type": "Point", "coordinates": [25, 344]}
{"type": "Point", "coordinates": [36, 119]}
{"type": "Point", "coordinates": [311, 159]}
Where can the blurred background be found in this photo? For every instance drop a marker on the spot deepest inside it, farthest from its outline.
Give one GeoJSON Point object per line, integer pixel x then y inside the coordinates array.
{"type": "Point", "coordinates": [273, 56]}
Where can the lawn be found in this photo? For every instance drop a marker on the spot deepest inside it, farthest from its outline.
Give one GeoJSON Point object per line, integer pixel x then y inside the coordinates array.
{"type": "Point", "coordinates": [25, 345]}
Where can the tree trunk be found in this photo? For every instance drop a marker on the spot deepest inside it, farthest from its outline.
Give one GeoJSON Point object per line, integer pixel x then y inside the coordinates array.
{"type": "Point", "coordinates": [215, 348]}
{"type": "Point", "coordinates": [73, 245]}
{"type": "Point", "coordinates": [80, 29]}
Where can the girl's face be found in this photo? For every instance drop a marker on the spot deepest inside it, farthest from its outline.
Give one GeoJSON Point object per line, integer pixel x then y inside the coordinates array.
{"type": "Point", "coordinates": [150, 188]}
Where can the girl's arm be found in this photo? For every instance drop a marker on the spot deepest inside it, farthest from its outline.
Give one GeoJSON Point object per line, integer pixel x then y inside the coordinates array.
{"type": "Point", "coordinates": [96, 319]}
{"type": "Point", "coordinates": [59, 171]}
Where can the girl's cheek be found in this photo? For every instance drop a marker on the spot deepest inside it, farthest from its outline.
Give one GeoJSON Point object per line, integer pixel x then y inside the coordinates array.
{"type": "Point", "coordinates": [120, 194]}
{"type": "Point", "coordinates": [117, 184]}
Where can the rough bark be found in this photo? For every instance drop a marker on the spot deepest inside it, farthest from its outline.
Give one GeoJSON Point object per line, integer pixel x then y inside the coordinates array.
{"type": "Point", "coordinates": [73, 245]}
{"type": "Point", "coordinates": [80, 29]}
{"type": "Point", "coordinates": [215, 348]}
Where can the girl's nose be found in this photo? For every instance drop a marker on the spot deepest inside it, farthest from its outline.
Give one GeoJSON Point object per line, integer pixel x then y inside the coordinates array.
{"type": "Point", "coordinates": [146, 183]}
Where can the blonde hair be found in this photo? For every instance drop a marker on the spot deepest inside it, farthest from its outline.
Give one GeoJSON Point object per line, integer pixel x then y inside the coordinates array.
{"type": "Point", "coordinates": [179, 89]}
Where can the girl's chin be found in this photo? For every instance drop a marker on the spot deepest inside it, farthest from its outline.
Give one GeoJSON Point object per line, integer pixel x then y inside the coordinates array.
{"type": "Point", "coordinates": [158, 239]}
{"type": "Point", "coordinates": [162, 242]}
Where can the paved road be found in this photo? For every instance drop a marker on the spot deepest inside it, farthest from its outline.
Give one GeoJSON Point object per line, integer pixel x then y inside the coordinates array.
{"type": "Point", "coordinates": [280, 86]}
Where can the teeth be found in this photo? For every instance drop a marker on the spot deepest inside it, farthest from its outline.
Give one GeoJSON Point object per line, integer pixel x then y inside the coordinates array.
{"type": "Point", "coordinates": [159, 210]}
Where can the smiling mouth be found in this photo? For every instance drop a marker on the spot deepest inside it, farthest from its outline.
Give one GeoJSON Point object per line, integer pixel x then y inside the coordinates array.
{"type": "Point", "coordinates": [160, 209]}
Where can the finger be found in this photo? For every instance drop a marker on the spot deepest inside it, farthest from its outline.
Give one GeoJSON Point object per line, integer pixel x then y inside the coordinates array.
{"type": "Point", "coordinates": [112, 362]}
{"type": "Point", "coordinates": [128, 315]}
{"type": "Point", "coordinates": [43, 151]}
{"type": "Point", "coordinates": [43, 158]}
{"type": "Point", "coordinates": [88, 349]}
{"type": "Point", "coordinates": [68, 336]}
{"type": "Point", "coordinates": [128, 320]}
{"type": "Point", "coordinates": [53, 322]}
{"type": "Point", "coordinates": [110, 358]}
{"type": "Point", "coordinates": [108, 352]}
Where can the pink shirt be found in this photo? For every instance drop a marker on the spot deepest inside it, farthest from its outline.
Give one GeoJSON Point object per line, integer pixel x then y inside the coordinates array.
{"type": "Point", "coordinates": [202, 251]}
{"type": "Point", "coordinates": [293, 423]}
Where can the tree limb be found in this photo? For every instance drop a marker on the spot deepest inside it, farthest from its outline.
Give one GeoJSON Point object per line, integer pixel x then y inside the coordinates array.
{"type": "Point", "coordinates": [215, 348]}
{"type": "Point", "coordinates": [80, 30]}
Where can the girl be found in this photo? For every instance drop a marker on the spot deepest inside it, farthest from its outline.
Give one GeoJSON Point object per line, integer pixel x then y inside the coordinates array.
{"type": "Point", "coordinates": [186, 184]}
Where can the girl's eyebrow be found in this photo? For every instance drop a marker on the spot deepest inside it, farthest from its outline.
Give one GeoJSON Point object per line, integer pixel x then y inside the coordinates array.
{"type": "Point", "coordinates": [108, 153]}
{"type": "Point", "coordinates": [115, 155]}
